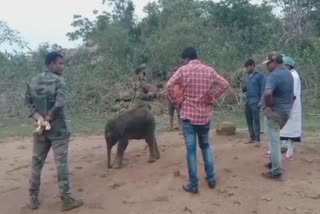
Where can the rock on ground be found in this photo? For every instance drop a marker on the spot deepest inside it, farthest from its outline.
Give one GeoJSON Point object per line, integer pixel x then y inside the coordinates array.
{"type": "Point", "coordinates": [226, 129]}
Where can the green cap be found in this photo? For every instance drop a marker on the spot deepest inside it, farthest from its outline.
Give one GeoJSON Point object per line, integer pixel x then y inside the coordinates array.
{"type": "Point", "coordinates": [288, 61]}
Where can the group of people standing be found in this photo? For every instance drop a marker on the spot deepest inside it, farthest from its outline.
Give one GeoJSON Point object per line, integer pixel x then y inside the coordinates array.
{"type": "Point", "coordinates": [192, 89]}
{"type": "Point", "coordinates": [280, 97]}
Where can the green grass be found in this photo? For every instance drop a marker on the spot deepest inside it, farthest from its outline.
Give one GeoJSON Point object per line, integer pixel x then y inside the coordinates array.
{"type": "Point", "coordinates": [94, 124]}
{"type": "Point", "coordinates": [84, 124]}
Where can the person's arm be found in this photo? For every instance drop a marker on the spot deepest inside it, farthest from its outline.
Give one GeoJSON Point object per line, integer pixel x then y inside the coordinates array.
{"type": "Point", "coordinates": [271, 85]}
{"type": "Point", "coordinates": [28, 102]}
{"type": "Point", "coordinates": [219, 83]}
{"type": "Point", "coordinates": [262, 84]}
{"type": "Point", "coordinates": [60, 101]}
{"type": "Point", "coordinates": [31, 107]}
{"type": "Point", "coordinates": [174, 80]}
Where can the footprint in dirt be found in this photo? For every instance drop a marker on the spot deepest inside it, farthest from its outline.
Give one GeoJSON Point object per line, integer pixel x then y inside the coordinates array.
{"type": "Point", "coordinates": [80, 189]}
{"type": "Point", "coordinates": [226, 170]}
{"type": "Point", "coordinates": [97, 147]}
{"type": "Point", "coordinates": [21, 147]}
{"type": "Point", "coordinates": [78, 167]}
{"type": "Point", "coordinates": [117, 185]}
{"type": "Point", "coordinates": [163, 198]}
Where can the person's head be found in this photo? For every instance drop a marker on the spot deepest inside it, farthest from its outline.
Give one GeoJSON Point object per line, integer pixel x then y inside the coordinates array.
{"type": "Point", "coordinates": [54, 62]}
{"type": "Point", "coordinates": [189, 54]}
{"type": "Point", "coordinates": [288, 62]}
{"type": "Point", "coordinates": [140, 72]}
{"type": "Point", "coordinates": [250, 65]}
{"type": "Point", "coordinates": [273, 60]}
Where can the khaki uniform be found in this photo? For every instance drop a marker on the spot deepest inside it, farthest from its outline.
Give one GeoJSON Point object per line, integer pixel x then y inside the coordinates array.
{"type": "Point", "coordinates": [142, 95]}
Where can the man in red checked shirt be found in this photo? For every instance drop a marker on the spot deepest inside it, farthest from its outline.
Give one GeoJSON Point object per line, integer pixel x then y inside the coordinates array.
{"type": "Point", "coordinates": [196, 81]}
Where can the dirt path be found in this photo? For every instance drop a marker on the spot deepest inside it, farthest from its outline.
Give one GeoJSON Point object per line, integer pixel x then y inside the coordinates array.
{"type": "Point", "coordinates": [141, 188]}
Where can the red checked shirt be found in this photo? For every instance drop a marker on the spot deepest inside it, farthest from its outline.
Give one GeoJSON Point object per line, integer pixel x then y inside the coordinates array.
{"type": "Point", "coordinates": [197, 81]}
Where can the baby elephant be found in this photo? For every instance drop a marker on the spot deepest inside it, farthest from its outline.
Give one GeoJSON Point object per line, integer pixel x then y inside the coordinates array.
{"type": "Point", "coordinates": [137, 123]}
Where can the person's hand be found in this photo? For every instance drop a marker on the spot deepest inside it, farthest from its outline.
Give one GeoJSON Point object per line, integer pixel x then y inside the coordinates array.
{"type": "Point", "coordinates": [268, 112]}
{"type": "Point", "coordinates": [38, 118]}
{"type": "Point", "coordinates": [48, 118]}
{"type": "Point", "coordinates": [260, 104]}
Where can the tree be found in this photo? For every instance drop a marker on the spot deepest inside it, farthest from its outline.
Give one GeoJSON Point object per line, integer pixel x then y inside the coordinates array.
{"type": "Point", "coordinates": [297, 16]}
{"type": "Point", "coordinates": [83, 26]}
{"type": "Point", "coordinates": [123, 12]}
{"type": "Point", "coordinates": [10, 36]}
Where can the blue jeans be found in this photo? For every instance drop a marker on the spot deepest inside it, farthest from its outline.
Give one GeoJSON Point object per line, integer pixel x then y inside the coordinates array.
{"type": "Point", "coordinates": [252, 112]}
{"type": "Point", "coordinates": [191, 132]}
{"type": "Point", "coordinates": [273, 126]}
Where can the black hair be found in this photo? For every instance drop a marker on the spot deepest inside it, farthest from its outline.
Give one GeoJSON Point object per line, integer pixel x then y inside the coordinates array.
{"type": "Point", "coordinates": [249, 62]}
{"type": "Point", "coordinates": [291, 67]}
{"type": "Point", "coordinates": [279, 59]}
{"type": "Point", "coordinates": [189, 53]}
{"type": "Point", "coordinates": [52, 57]}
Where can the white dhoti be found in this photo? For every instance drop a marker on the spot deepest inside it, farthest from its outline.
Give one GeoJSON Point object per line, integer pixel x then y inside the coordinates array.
{"type": "Point", "coordinates": [292, 131]}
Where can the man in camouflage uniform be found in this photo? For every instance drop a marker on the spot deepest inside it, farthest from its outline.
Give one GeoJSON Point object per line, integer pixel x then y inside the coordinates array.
{"type": "Point", "coordinates": [142, 89]}
{"type": "Point", "coordinates": [45, 98]}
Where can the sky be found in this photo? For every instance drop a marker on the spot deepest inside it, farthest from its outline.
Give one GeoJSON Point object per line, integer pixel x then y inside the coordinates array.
{"type": "Point", "coordinates": [40, 21]}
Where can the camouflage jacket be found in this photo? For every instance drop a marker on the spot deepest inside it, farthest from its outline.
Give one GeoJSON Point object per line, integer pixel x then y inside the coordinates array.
{"type": "Point", "coordinates": [46, 94]}
{"type": "Point", "coordinates": [142, 93]}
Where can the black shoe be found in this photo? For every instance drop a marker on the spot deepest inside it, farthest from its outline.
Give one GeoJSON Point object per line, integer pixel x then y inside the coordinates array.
{"type": "Point", "coordinates": [212, 184]}
{"type": "Point", "coordinates": [34, 202]}
{"type": "Point", "coordinates": [190, 189]}
{"type": "Point", "coordinates": [269, 175]}
{"type": "Point", "coordinates": [70, 203]}
{"type": "Point", "coordinates": [268, 165]}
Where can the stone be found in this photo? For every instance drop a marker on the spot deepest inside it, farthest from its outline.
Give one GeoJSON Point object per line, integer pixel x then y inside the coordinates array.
{"type": "Point", "coordinates": [313, 195]}
{"type": "Point", "coordinates": [226, 129]}
{"type": "Point", "coordinates": [266, 198]}
{"type": "Point", "coordinates": [308, 160]}
{"type": "Point", "coordinates": [291, 209]}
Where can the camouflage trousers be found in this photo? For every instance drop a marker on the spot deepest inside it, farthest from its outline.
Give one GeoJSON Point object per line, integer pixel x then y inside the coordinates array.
{"type": "Point", "coordinates": [59, 143]}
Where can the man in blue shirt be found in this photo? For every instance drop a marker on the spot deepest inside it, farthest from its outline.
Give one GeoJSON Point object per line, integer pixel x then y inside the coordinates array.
{"type": "Point", "coordinates": [254, 86]}
{"type": "Point", "coordinates": [278, 100]}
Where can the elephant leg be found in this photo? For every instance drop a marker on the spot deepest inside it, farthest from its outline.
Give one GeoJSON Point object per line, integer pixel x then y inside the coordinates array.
{"type": "Point", "coordinates": [122, 145]}
{"type": "Point", "coordinates": [152, 149]}
{"type": "Point", "coordinates": [157, 149]}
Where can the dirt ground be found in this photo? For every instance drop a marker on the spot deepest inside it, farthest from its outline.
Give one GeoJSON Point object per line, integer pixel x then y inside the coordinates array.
{"type": "Point", "coordinates": [155, 188]}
